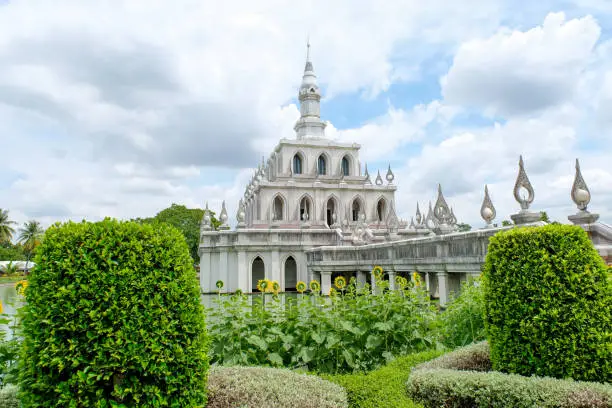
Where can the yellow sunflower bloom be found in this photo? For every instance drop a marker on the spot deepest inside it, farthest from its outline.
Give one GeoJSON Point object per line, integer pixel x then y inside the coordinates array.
{"type": "Point", "coordinates": [262, 285]}
{"type": "Point", "coordinates": [1, 308]}
{"type": "Point", "coordinates": [315, 286]}
{"type": "Point", "coordinates": [378, 272]}
{"type": "Point", "coordinates": [340, 282]}
{"type": "Point", "coordinates": [301, 287]}
{"type": "Point", "coordinates": [275, 287]}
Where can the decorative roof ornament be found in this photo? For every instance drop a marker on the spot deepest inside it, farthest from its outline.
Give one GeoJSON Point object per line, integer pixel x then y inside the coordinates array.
{"type": "Point", "coordinates": [392, 220]}
{"type": "Point", "coordinates": [522, 181]}
{"type": "Point", "coordinates": [419, 217]}
{"type": "Point", "coordinates": [581, 196]}
{"type": "Point", "coordinates": [223, 217]}
{"type": "Point", "coordinates": [487, 210]}
{"type": "Point", "coordinates": [453, 219]}
{"type": "Point", "coordinates": [367, 175]}
{"type": "Point", "coordinates": [431, 221]}
{"type": "Point", "coordinates": [379, 181]}
{"type": "Point", "coordinates": [241, 214]}
{"type": "Point", "coordinates": [390, 176]}
{"type": "Point", "coordinates": [411, 226]}
{"type": "Point", "coordinates": [441, 209]}
{"type": "Point", "coordinates": [522, 186]}
{"type": "Point", "coordinates": [206, 224]}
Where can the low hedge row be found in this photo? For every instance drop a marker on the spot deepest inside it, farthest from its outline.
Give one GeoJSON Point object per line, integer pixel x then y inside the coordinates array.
{"type": "Point", "coordinates": [444, 382]}
{"type": "Point", "coordinates": [384, 387]}
{"type": "Point", "coordinates": [252, 387]}
{"type": "Point", "coordinates": [263, 387]}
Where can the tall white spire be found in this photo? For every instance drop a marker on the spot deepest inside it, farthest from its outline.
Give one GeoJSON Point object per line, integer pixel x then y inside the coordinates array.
{"type": "Point", "coordinates": [309, 125]}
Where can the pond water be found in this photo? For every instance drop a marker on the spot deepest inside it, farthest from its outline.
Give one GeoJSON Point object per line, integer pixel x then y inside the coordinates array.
{"type": "Point", "coordinates": [10, 301]}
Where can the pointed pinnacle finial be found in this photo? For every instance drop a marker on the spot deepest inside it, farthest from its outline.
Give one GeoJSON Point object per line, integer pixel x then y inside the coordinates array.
{"type": "Point", "coordinates": [308, 48]}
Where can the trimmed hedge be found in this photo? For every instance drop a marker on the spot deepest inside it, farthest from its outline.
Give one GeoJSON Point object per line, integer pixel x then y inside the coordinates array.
{"type": "Point", "coordinates": [8, 397]}
{"type": "Point", "coordinates": [113, 316]}
{"type": "Point", "coordinates": [548, 304]}
{"type": "Point", "coordinates": [444, 383]}
{"type": "Point", "coordinates": [382, 388]}
{"type": "Point", "coordinates": [263, 387]}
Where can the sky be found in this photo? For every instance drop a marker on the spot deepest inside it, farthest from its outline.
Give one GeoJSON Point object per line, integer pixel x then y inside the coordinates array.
{"type": "Point", "coordinates": [121, 108]}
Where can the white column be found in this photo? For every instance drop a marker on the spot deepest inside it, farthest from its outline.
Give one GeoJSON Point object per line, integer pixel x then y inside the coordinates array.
{"type": "Point", "coordinates": [392, 280]}
{"type": "Point", "coordinates": [443, 287]}
{"type": "Point", "coordinates": [275, 271]}
{"type": "Point", "coordinates": [325, 282]}
{"type": "Point", "coordinates": [243, 272]}
{"type": "Point", "coordinates": [223, 273]}
{"type": "Point", "coordinates": [373, 280]}
{"type": "Point", "coordinates": [361, 278]}
{"type": "Point", "coordinates": [205, 272]}
{"type": "Point", "coordinates": [427, 285]}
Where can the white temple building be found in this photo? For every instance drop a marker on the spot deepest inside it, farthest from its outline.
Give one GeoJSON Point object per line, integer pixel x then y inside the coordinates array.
{"type": "Point", "coordinates": [311, 192]}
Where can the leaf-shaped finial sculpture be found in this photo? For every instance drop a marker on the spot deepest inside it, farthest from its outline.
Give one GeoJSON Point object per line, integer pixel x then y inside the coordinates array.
{"type": "Point", "coordinates": [487, 210]}
{"type": "Point", "coordinates": [522, 182]}
{"type": "Point", "coordinates": [580, 192]}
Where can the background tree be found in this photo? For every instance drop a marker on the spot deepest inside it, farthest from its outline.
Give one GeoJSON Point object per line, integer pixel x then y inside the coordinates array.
{"type": "Point", "coordinates": [506, 223]}
{"type": "Point", "coordinates": [6, 231]}
{"type": "Point", "coordinates": [186, 220]}
{"type": "Point", "coordinates": [463, 227]}
{"type": "Point", "coordinates": [30, 237]}
{"type": "Point", "coordinates": [10, 252]}
{"type": "Point", "coordinates": [544, 217]}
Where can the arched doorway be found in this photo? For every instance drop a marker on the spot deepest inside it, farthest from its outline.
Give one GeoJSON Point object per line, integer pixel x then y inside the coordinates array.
{"type": "Point", "coordinates": [258, 272]}
{"type": "Point", "coordinates": [355, 209]}
{"type": "Point", "coordinates": [330, 212]}
{"type": "Point", "coordinates": [305, 209]}
{"type": "Point", "coordinates": [345, 166]}
{"type": "Point", "coordinates": [322, 165]}
{"type": "Point", "coordinates": [290, 274]}
{"type": "Point", "coordinates": [381, 208]}
{"type": "Point", "coordinates": [297, 164]}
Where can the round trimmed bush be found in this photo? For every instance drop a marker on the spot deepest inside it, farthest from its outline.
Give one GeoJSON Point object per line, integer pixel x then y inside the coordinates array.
{"type": "Point", "coordinates": [261, 387]}
{"type": "Point", "coordinates": [548, 304]}
{"type": "Point", "coordinates": [113, 318]}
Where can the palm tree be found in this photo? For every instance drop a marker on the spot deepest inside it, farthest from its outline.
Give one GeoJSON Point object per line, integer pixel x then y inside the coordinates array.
{"type": "Point", "coordinates": [6, 231]}
{"type": "Point", "coordinates": [30, 236]}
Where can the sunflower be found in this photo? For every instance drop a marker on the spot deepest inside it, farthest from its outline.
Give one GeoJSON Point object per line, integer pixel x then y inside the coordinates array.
{"type": "Point", "coordinates": [21, 287]}
{"type": "Point", "coordinates": [219, 284]}
{"type": "Point", "coordinates": [401, 282]}
{"type": "Point", "coordinates": [332, 292]}
{"type": "Point", "coordinates": [340, 282]}
{"type": "Point", "coordinates": [263, 284]}
{"type": "Point", "coordinates": [238, 292]}
{"type": "Point", "coordinates": [1, 308]}
{"type": "Point", "coordinates": [315, 286]}
{"type": "Point", "coordinates": [378, 272]}
{"type": "Point", "coordinates": [275, 287]}
{"type": "Point", "coordinates": [301, 287]}
{"type": "Point", "coordinates": [416, 278]}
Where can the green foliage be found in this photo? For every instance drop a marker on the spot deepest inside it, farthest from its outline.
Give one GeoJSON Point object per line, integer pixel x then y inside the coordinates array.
{"type": "Point", "coordinates": [260, 387]}
{"type": "Point", "coordinates": [113, 319]}
{"type": "Point", "coordinates": [6, 229]}
{"type": "Point", "coordinates": [8, 397]}
{"type": "Point", "coordinates": [10, 252]}
{"type": "Point", "coordinates": [356, 331]}
{"type": "Point", "coordinates": [463, 227]}
{"type": "Point", "coordinates": [384, 387]}
{"type": "Point", "coordinates": [507, 223]}
{"type": "Point", "coordinates": [548, 304]}
{"type": "Point", "coordinates": [186, 220]}
{"type": "Point", "coordinates": [544, 216]}
{"type": "Point", "coordinates": [444, 383]}
{"type": "Point", "coordinates": [462, 322]}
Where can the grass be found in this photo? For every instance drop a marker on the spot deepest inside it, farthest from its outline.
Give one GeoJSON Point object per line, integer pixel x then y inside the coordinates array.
{"type": "Point", "coordinates": [11, 279]}
{"type": "Point", "coordinates": [385, 387]}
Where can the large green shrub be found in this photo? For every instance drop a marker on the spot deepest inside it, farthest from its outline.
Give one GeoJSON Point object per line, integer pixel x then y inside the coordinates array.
{"type": "Point", "coordinates": [113, 318]}
{"type": "Point", "coordinates": [8, 397]}
{"type": "Point", "coordinates": [261, 387]}
{"type": "Point", "coordinates": [462, 322]}
{"type": "Point", "coordinates": [384, 387]}
{"type": "Point", "coordinates": [444, 382]}
{"type": "Point", "coordinates": [353, 331]}
{"type": "Point", "coordinates": [548, 304]}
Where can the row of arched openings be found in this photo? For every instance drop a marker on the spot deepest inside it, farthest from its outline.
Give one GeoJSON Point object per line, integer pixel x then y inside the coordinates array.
{"type": "Point", "coordinates": [278, 208]}
{"type": "Point", "coordinates": [345, 165]}
{"type": "Point", "coordinates": [258, 272]}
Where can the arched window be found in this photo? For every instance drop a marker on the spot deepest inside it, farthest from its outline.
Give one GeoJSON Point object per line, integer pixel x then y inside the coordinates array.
{"type": "Point", "coordinates": [278, 209]}
{"type": "Point", "coordinates": [290, 274]}
{"type": "Point", "coordinates": [330, 212]}
{"type": "Point", "coordinates": [297, 164]}
{"type": "Point", "coordinates": [380, 209]}
{"type": "Point", "coordinates": [355, 210]}
{"type": "Point", "coordinates": [258, 272]}
{"type": "Point", "coordinates": [321, 165]}
{"type": "Point", "coordinates": [305, 209]}
{"type": "Point", "coordinates": [345, 166]}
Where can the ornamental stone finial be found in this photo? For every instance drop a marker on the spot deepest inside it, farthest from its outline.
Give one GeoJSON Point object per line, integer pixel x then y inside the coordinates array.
{"type": "Point", "coordinates": [390, 176]}
{"type": "Point", "coordinates": [367, 175]}
{"type": "Point", "coordinates": [523, 185]}
{"type": "Point", "coordinates": [522, 181]}
{"type": "Point", "coordinates": [206, 219]}
{"type": "Point", "coordinates": [430, 221]}
{"type": "Point", "coordinates": [487, 210]}
{"type": "Point", "coordinates": [581, 196]}
{"type": "Point", "coordinates": [419, 217]}
{"type": "Point", "coordinates": [379, 181]}
{"type": "Point", "coordinates": [240, 214]}
{"type": "Point", "coordinates": [223, 217]}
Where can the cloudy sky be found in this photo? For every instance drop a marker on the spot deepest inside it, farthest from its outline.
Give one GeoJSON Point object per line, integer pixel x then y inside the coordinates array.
{"type": "Point", "coordinates": [120, 108]}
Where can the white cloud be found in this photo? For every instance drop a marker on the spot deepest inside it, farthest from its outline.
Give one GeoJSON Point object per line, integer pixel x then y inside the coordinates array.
{"type": "Point", "coordinates": [515, 72]}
